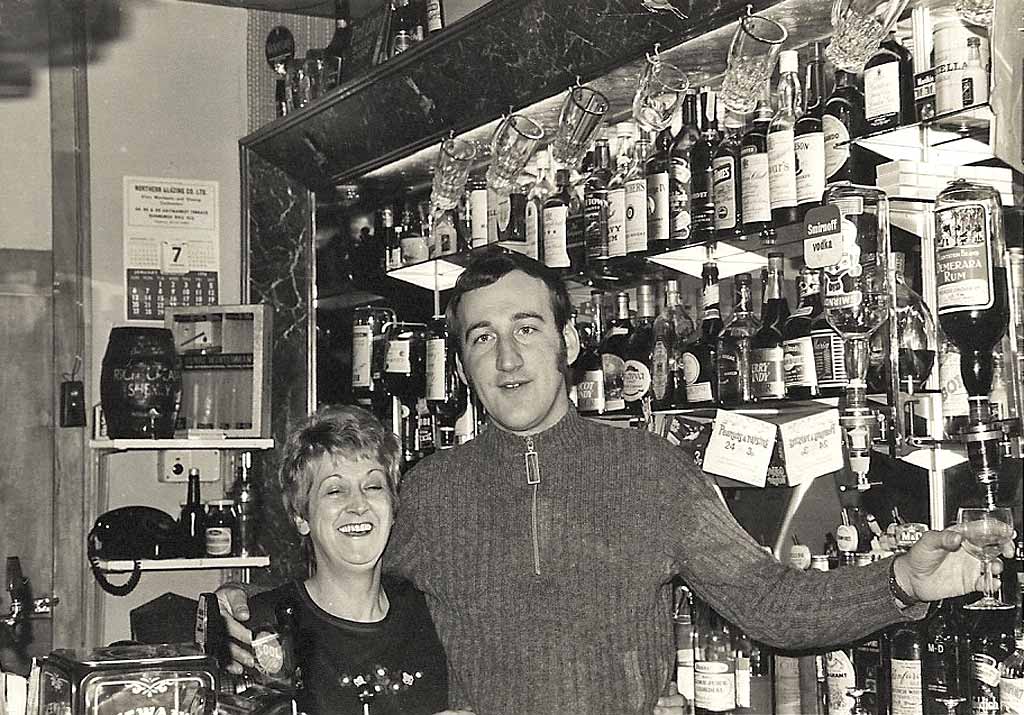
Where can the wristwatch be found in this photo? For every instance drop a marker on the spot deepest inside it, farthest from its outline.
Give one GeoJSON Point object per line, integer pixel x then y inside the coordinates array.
{"type": "Point", "coordinates": [904, 599]}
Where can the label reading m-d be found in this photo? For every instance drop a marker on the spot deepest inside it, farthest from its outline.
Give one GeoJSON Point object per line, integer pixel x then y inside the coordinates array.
{"type": "Point", "coordinates": [963, 265]}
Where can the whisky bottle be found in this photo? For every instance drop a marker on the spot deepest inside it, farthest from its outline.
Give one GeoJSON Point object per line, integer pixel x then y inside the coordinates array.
{"type": "Point", "coordinates": [699, 359]}
{"type": "Point", "coordinates": [617, 193]}
{"type": "Point", "coordinates": [798, 351]}
{"type": "Point", "coordinates": [657, 172]}
{"type": "Point", "coordinates": [613, 355]}
{"type": "Point", "coordinates": [728, 186]}
{"type": "Point", "coordinates": [702, 180]}
{"type": "Point", "coordinates": [445, 393]}
{"type": "Point", "coordinates": [755, 188]}
{"type": "Point", "coordinates": [809, 141]}
{"type": "Point", "coordinates": [905, 671]}
{"type": "Point", "coordinates": [369, 348]}
{"type": "Point", "coordinates": [680, 223]}
{"type": "Point", "coordinates": [767, 355]}
{"type": "Point", "coordinates": [595, 206]}
{"type": "Point", "coordinates": [888, 86]}
{"type": "Point", "coordinates": [734, 346]}
{"type": "Point", "coordinates": [555, 218]}
{"type": "Point", "coordinates": [841, 123]}
{"type": "Point", "coordinates": [781, 150]}
{"type": "Point", "coordinates": [636, 200]}
{"type": "Point", "coordinates": [714, 666]}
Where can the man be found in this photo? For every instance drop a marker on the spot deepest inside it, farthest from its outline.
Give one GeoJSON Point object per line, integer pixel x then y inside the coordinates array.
{"type": "Point", "coordinates": [546, 545]}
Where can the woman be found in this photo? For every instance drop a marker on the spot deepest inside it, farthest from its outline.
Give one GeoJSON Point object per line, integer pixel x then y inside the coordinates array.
{"type": "Point", "coordinates": [360, 638]}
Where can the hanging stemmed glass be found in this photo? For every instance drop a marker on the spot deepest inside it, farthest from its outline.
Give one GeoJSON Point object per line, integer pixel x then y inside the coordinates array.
{"type": "Point", "coordinates": [985, 533]}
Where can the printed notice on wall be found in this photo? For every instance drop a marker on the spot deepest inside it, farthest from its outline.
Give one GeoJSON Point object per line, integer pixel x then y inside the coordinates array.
{"type": "Point", "coordinates": [171, 245]}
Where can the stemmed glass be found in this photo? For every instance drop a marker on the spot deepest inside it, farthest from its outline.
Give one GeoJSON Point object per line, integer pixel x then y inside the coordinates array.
{"type": "Point", "coordinates": [985, 531]}
{"type": "Point", "coordinates": [951, 704]}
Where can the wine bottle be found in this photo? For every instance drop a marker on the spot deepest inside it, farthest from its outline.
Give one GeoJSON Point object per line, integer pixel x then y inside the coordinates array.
{"type": "Point", "coordinates": [940, 660]}
{"type": "Point", "coordinates": [767, 355]}
{"type": "Point", "coordinates": [734, 346]}
{"type": "Point", "coordinates": [841, 123]}
{"type": "Point", "coordinates": [888, 86]}
{"type": "Point", "coordinates": [905, 672]}
{"type": "Point", "coordinates": [781, 150]}
{"type": "Point", "coordinates": [700, 357]}
{"type": "Point", "coordinates": [755, 187]}
{"type": "Point", "coordinates": [613, 355]}
{"type": "Point", "coordinates": [680, 172]}
{"type": "Point", "coordinates": [798, 351]}
{"type": "Point", "coordinates": [728, 185]}
{"type": "Point", "coordinates": [809, 140]}
{"type": "Point", "coordinates": [702, 180]}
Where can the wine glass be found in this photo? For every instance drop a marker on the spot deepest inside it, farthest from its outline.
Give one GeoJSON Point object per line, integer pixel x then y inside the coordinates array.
{"type": "Point", "coordinates": [985, 531]}
{"type": "Point", "coordinates": [951, 704]}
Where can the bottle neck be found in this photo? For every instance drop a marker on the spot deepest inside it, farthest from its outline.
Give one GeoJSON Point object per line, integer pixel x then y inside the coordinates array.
{"type": "Point", "coordinates": [741, 299]}
{"type": "Point", "coordinates": [789, 95]}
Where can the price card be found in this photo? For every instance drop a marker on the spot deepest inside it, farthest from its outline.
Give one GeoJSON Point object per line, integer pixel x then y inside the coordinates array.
{"type": "Point", "coordinates": [812, 446]}
{"type": "Point", "coordinates": [823, 244]}
{"type": "Point", "coordinates": [740, 448]}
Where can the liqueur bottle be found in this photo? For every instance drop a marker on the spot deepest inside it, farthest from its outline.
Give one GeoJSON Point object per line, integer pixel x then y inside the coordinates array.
{"type": "Point", "coordinates": [702, 198]}
{"type": "Point", "coordinates": [700, 357]}
{"type": "Point", "coordinates": [636, 376]}
{"type": "Point", "coordinates": [680, 172]}
{"type": "Point", "coordinates": [755, 187]}
{"type": "Point", "coordinates": [613, 355]}
{"type": "Point", "coordinates": [781, 150]}
{"type": "Point", "coordinates": [767, 355]}
{"type": "Point", "coordinates": [809, 141]}
{"type": "Point", "coordinates": [589, 377]}
{"type": "Point", "coordinates": [798, 351]}
{"type": "Point", "coordinates": [657, 173]}
{"type": "Point", "coordinates": [728, 187]}
{"type": "Point", "coordinates": [555, 220]}
{"type": "Point", "coordinates": [888, 86]}
{"type": "Point", "coordinates": [734, 346]}
{"type": "Point", "coordinates": [841, 123]}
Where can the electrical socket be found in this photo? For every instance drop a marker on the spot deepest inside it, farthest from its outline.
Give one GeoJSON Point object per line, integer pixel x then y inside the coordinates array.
{"type": "Point", "coordinates": [175, 464]}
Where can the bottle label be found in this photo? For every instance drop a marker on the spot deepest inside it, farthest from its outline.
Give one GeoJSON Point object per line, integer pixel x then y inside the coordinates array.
{"type": "Point", "coordinates": [985, 669]}
{"type": "Point", "coordinates": [590, 392]}
{"type": "Point", "coordinates": [755, 188]}
{"type": "Point", "coordinates": [847, 537]}
{"type": "Point", "coordinates": [906, 687]}
{"type": "Point", "coordinates": [798, 362]}
{"type": "Point", "coordinates": [841, 676]}
{"type": "Point", "coordinates": [396, 359]}
{"type": "Point", "coordinates": [555, 253]}
{"type": "Point", "coordinates": [435, 369]}
{"type": "Point", "coordinates": [218, 541]}
{"type": "Point", "coordinates": [532, 229]}
{"type": "Point", "coordinates": [636, 380]}
{"type": "Point", "coordinates": [742, 682]}
{"type": "Point", "coordinates": [617, 222]}
{"type": "Point", "coordinates": [684, 673]}
{"type": "Point", "coordinates": [1011, 695]}
{"type": "Point", "coordinates": [714, 686]}
{"type": "Point", "coordinates": [699, 392]}
{"type": "Point", "coordinates": [829, 358]}
{"type": "Point", "coordinates": [595, 216]}
{"type": "Point", "coordinates": [963, 265]}
{"type": "Point", "coordinates": [782, 169]}
{"type": "Point", "coordinates": [689, 368]}
{"type": "Point", "coordinates": [657, 207]}
{"type": "Point", "coordinates": [724, 172]}
{"type": "Point", "coordinates": [837, 145]}
{"type": "Point", "coordinates": [809, 150]}
{"type": "Point", "coordinates": [493, 200]}
{"type": "Point", "coordinates": [767, 373]}
{"type": "Point", "coordinates": [636, 216]}
{"type": "Point", "coordinates": [659, 370]}
{"type": "Point", "coordinates": [478, 217]}
{"type": "Point", "coordinates": [730, 364]}
{"type": "Point", "coordinates": [435, 22]}
{"type": "Point", "coordinates": [679, 198]}
{"type": "Point", "coordinates": [787, 685]}
{"type": "Point", "coordinates": [882, 94]}
{"type": "Point", "coordinates": [951, 382]}
{"type": "Point", "coordinates": [362, 339]}
{"type": "Point", "coordinates": [710, 301]}
{"type": "Point", "coordinates": [613, 368]}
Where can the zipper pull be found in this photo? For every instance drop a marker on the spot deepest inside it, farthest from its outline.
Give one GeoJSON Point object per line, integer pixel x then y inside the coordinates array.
{"type": "Point", "coordinates": [532, 465]}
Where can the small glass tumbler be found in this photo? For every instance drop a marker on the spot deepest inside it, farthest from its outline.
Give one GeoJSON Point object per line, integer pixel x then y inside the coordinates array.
{"type": "Point", "coordinates": [659, 89]}
{"type": "Point", "coordinates": [581, 115]}
{"type": "Point", "coordinates": [454, 159]}
{"type": "Point", "coordinates": [512, 145]}
{"type": "Point", "coordinates": [858, 26]}
{"type": "Point", "coordinates": [752, 55]}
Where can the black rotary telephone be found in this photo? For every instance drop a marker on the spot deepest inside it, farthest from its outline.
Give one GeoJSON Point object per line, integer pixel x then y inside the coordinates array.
{"type": "Point", "coordinates": [135, 533]}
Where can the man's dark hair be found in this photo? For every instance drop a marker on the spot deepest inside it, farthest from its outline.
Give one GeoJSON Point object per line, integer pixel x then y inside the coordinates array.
{"type": "Point", "coordinates": [488, 267]}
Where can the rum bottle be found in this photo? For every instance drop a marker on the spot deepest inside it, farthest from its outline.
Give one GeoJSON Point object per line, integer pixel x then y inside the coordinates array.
{"type": "Point", "coordinates": [767, 355]}
{"type": "Point", "coordinates": [781, 137]}
{"type": "Point", "coordinates": [734, 346]}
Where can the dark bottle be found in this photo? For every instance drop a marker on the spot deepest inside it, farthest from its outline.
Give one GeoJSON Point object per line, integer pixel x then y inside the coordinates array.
{"type": "Point", "coordinates": [989, 642]}
{"type": "Point", "coordinates": [829, 354]}
{"type": "Point", "coordinates": [941, 665]}
{"type": "Point", "coordinates": [728, 182]}
{"type": "Point", "coordinates": [888, 86]}
{"type": "Point", "coordinates": [556, 216]}
{"type": "Point", "coordinates": [405, 378]}
{"type": "Point", "coordinates": [588, 370]}
{"type": "Point", "coordinates": [702, 181]}
{"type": "Point", "coordinates": [192, 522]}
{"type": "Point", "coordinates": [511, 216]}
{"type": "Point", "coordinates": [243, 541]}
{"type": "Point", "coordinates": [369, 350]}
{"type": "Point", "coordinates": [337, 49]}
{"type": "Point", "coordinates": [767, 355]}
{"type": "Point", "coordinates": [755, 203]}
{"type": "Point", "coordinates": [781, 138]}
{"type": "Point", "coordinates": [841, 123]}
{"type": "Point", "coordinates": [801, 378]}
{"type": "Point", "coordinates": [407, 17]}
{"type": "Point", "coordinates": [389, 234]}
{"type": "Point", "coordinates": [809, 141]}
{"type": "Point", "coordinates": [613, 355]}
{"type": "Point", "coordinates": [679, 173]}
{"type": "Point", "coordinates": [575, 224]}
{"type": "Point", "coordinates": [657, 172]}
{"type": "Point", "coordinates": [636, 376]}
{"type": "Point", "coordinates": [905, 670]}
{"type": "Point", "coordinates": [445, 393]}
{"type": "Point", "coordinates": [700, 357]}
{"type": "Point", "coordinates": [595, 206]}
{"type": "Point", "coordinates": [734, 345]}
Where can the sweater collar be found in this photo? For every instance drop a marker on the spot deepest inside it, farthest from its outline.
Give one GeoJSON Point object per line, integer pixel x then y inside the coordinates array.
{"type": "Point", "coordinates": [564, 435]}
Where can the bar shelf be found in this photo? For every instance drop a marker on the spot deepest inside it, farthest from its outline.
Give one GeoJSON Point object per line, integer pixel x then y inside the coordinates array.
{"type": "Point", "coordinates": [213, 562]}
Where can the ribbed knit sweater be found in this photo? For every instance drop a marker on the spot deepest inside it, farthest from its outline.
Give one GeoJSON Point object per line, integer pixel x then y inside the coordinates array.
{"type": "Point", "coordinates": [553, 598]}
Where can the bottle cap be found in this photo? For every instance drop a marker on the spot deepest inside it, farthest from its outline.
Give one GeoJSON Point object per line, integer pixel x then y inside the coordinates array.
{"type": "Point", "coordinates": [789, 61]}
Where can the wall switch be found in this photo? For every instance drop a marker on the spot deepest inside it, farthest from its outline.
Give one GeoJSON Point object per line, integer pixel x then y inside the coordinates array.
{"type": "Point", "coordinates": [175, 463]}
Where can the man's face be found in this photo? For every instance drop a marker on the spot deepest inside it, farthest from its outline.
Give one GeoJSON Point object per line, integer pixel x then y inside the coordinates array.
{"type": "Point", "coordinates": [513, 354]}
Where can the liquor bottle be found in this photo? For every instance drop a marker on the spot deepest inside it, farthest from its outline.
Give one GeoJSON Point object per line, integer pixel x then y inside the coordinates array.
{"type": "Point", "coordinates": [841, 123]}
{"type": "Point", "coordinates": [575, 224]}
{"type": "Point", "coordinates": [192, 521]}
{"type": "Point", "coordinates": [243, 541]}
{"type": "Point", "coordinates": [798, 351]}
{"type": "Point", "coordinates": [702, 181]}
{"type": "Point", "coordinates": [613, 355]}
{"type": "Point", "coordinates": [685, 641]}
{"type": "Point", "coordinates": [407, 18]}
{"type": "Point", "coordinates": [657, 172]}
{"type": "Point", "coordinates": [636, 376]}
{"type": "Point", "coordinates": [829, 356]}
{"type": "Point", "coordinates": [974, 84]}
{"type": "Point", "coordinates": [905, 670]}
{"type": "Point", "coordinates": [989, 643]}
{"type": "Point", "coordinates": [699, 359]}
{"type": "Point", "coordinates": [588, 369]}
{"type": "Point", "coordinates": [595, 207]}
{"type": "Point", "coordinates": [714, 666]}
{"type": "Point", "coordinates": [445, 393]}
{"type": "Point", "coordinates": [728, 185]}
{"type": "Point", "coordinates": [841, 676]}
{"type": "Point", "coordinates": [679, 172]}
{"type": "Point", "coordinates": [787, 677]}
{"type": "Point", "coordinates": [412, 241]}
{"type": "Point", "coordinates": [337, 49]}
{"type": "Point", "coordinates": [755, 199]}
{"type": "Point", "coordinates": [734, 346]}
{"type": "Point", "coordinates": [541, 190]}
{"type": "Point", "coordinates": [476, 204]}
{"type": "Point", "coordinates": [781, 150]}
{"type": "Point", "coordinates": [555, 218]}
{"type": "Point", "coordinates": [671, 327]}
{"type": "Point", "coordinates": [617, 192]}
{"type": "Point", "coordinates": [1011, 681]}
{"type": "Point", "coordinates": [405, 379]}
{"type": "Point", "coordinates": [940, 661]}
{"type": "Point", "coordinates": [854, 533]}
{"type": "Point", "coordinates": [767, 355]}
{"type": "Point", "coordinates": [435, 16]}
{"type": "Point", "coordinates": [510, 217]}
{"type": "Point", "coordinates": [384, 227]}
{"type": "Point", "coordinates": [809, 140]}
{"type": "Point", "coordinates": [888, 86]}
{"type": "Point", "coordinates": [369, 348]}
{"type": "Point", "coordinates": [971, 291]}
{"type": "Point", "coordinates": [636, 199]}
{"type": "Point", "coordinates": [753, 675]}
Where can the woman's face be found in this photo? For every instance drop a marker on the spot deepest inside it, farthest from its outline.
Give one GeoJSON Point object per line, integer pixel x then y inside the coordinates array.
{"type": "Point", "coordinates": [349, 514]}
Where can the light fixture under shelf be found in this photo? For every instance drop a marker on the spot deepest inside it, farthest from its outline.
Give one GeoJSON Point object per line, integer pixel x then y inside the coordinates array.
{"type": "Point", "coordinates": [214, 562]}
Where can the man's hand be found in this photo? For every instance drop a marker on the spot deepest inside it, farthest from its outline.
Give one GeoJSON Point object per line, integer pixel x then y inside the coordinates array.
{"type": "Point", "coordinates": [234, 607]}
{"type": "Point", "coordinates": [672, 704]}
{"type": "Point", "coordinates": [936, 567]}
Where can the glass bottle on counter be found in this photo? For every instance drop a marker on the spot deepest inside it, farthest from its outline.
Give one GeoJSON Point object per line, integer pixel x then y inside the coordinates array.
{"type": "Point", "coordinates": [734, 346]}
{"type": "Point", "coordinates": [755, 186]}
{"type": "Point", "coordinates": [613, 355]}
{"type": "Point", "coordinates": [767, 355]}
{"type": "Point", "coordinates": [781, 151]}
{"type": "Point", "coordinates": [699, 359]}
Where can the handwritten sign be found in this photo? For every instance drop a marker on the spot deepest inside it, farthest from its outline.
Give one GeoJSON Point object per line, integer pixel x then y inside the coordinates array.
{"type": "Point", "coordinates": [823, 245]}
{"type": "Point", "coordinates": [812, 446]}
{"type": "Point", "coordinates": [740, 448]}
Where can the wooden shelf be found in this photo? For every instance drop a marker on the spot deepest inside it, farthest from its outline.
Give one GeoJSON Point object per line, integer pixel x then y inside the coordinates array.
{"type": "Point", "coordinates": [128, 445]}
{"type": "Point", "coordinates": [226, 562]}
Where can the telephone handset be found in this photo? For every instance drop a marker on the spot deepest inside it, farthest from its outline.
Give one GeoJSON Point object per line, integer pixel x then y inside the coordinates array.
{"type": "Point", "coordinates": [131, 532]}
